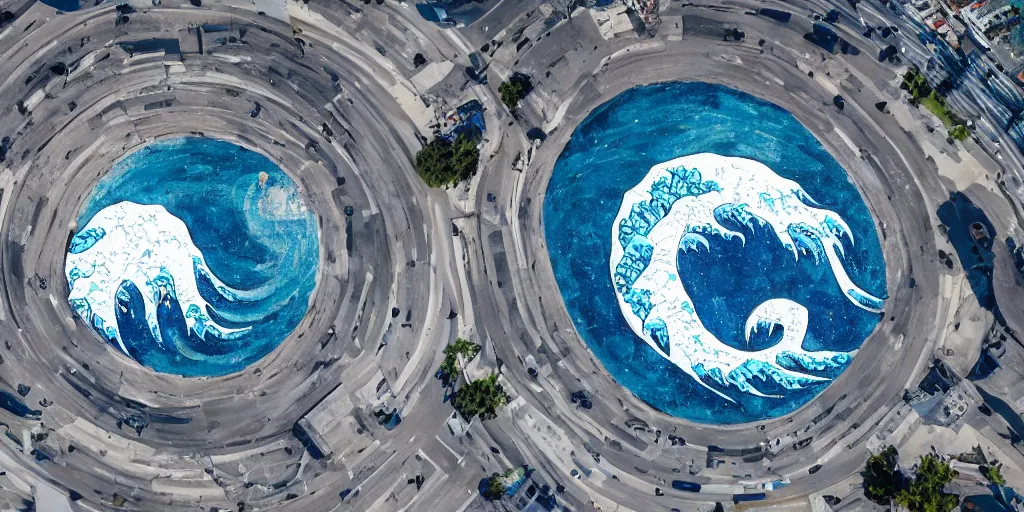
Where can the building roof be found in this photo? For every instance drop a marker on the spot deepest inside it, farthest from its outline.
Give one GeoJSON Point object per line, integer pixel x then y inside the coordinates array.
{"type": "Point", "coordinates": [991, 7]}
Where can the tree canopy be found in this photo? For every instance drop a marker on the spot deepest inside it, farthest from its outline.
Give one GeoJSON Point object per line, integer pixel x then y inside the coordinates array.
{"type": "Point", "coordinates": [916, 84]}
{"type": "Point", "coordinates": [884, 483]}
{"type": "Point", "coordinates": [924, 494]}
{"type": "Point", "coordinates": [881, 479]}
{"type": "Point", "coordinates": [442, 163]}
{"type": "Point", "coordinates": [922, 93]}
{"type": "Point", "coordinates": [495, 489]}
{"type": "Point", "coordinates": [450, 370]}
{"type": "Point", "coordinates": [515, 89]}
{"type": "Point", "coordinates": [497, 485]}
{"type": "Point", "coordinates": [482, 398]}
{"type": "Point", "coordinates": [959, 132]}
{"type": "Point", "coordinates": [993, 474]}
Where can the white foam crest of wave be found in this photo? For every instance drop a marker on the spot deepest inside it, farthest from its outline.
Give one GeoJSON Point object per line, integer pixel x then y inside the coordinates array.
{"type": "Point", "coordinates": [152, 249]}
{"type": "Point", "coordinates": [678, 206]}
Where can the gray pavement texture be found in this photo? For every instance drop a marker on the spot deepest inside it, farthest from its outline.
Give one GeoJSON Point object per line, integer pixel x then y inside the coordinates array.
{"type": "Point", "coordinates": [229, 443]}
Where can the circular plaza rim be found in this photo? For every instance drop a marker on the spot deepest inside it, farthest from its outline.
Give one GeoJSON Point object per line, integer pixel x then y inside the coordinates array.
{"type": "Point", "coordinates": [141, 109]}
{"type": "Point", "coordinates": [638, 71]}
{"type": "Point", "coordinates": [137, 164]}
{"type": "Point", "coordinates": [578, 171]}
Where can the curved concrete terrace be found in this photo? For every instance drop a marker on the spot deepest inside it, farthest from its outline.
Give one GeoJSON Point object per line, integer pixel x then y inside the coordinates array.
{"type": "Point", "coordinates": [228, 442]}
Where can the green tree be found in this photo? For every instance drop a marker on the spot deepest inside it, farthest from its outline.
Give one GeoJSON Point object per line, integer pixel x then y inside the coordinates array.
{"type": "Point", "coordinates": [993, 474]}
{"type": "Point", "coordinates": [481, 398]}
{"type": "Point", "coordinates": [442, 163]}
{"type": "Point", "coordinates": [514, 89]}
{"type": "Point", "coordinates": [881, 479]}
{"type": "Point", "coordinates": [959, 132]}
{"type": "Point", "coordinates": [497, 485]}
{"type": "Point", "coordinates": [916, 84]}
{"type": "Point", "coordinates": [450, 370]}
{"type": "Point", "coordinates": [924, 494]}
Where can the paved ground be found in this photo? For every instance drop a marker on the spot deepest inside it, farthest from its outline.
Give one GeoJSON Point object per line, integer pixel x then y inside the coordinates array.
{"type": "Point", "coordinates": [396, 286]}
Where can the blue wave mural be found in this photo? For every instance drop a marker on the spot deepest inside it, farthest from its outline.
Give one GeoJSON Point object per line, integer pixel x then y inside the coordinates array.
{"type": "Point", "coordinates": [195, 257]}
{"type": "Point", "coordinates": [726, 269]}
